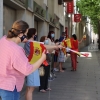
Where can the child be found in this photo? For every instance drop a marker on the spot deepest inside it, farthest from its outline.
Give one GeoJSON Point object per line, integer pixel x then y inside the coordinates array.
{"type": "Point", "coordinates": [61, 59]}
{"type": "Point", "coordinates": [56, 56]}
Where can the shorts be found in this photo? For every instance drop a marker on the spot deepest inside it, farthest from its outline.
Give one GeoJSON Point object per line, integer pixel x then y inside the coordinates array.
{"type": "Point", "coordinates": [61, 57]}
{"type": "Point", "coordinates": [55, 58]}
{"type": "Point", "coordinates": [33, 79]}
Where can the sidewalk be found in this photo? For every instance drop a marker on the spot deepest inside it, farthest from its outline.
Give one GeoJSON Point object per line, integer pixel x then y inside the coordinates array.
{"type": "Point", "coordinates": [84, 84]}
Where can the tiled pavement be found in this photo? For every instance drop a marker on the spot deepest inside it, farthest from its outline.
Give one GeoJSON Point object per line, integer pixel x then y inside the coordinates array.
{"type": "Point", "coordinates": [84, 84]}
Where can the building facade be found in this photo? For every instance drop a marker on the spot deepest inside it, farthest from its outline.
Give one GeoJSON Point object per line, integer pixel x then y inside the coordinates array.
{"type": "Point", "coordinates": [44, 15]}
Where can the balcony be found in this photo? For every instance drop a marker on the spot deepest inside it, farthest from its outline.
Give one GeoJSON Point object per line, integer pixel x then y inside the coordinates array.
{"type": "Point", "coordinates": [39, 10]}
{"type": "Point", "coordinates": [54, 20]}
{"type": "Point", "coordinates": [16, 4]}
{"type": "Point", "coordinates": [21, 2]}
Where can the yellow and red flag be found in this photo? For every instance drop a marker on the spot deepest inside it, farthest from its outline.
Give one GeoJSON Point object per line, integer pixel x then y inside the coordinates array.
{"type": "Point", "coordinates": [67, 43]}
{"type": "Point", "coordinates": [70, 43]}
{"type": "Point", "coordinates": [36, 50]}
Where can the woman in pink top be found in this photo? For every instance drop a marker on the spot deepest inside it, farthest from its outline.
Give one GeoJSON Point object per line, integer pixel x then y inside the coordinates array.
{"type": "Point", "coordinates": [14, 65]}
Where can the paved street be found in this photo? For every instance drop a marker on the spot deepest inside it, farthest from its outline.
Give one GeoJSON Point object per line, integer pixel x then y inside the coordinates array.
{"type": "Point", "coordinates": [84, 84]}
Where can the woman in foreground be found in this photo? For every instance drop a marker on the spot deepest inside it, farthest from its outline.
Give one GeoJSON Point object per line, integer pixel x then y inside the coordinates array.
{"type": "Point", "coordinates": [14, 65]}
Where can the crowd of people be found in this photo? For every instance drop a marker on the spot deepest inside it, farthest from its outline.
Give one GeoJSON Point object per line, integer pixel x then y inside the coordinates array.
{"type": "Point", "coordinates": [15, 65]}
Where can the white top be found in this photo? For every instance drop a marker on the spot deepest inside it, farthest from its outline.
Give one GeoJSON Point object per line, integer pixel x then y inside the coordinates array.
{"type": "Point", "coordinates": [51, 43]}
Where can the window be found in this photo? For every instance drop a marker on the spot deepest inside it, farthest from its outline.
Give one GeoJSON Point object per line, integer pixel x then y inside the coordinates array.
{"type": "Point", "coordinates": [30, 5]}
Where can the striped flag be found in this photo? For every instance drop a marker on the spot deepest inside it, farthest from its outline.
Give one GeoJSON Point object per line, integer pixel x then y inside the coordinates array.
{"type": "Point", "coordinates": [66, 43]}
{"type": "Point", "coordinates": [36, 50]}
{"type": "Point", "coordinates": [70, 43]}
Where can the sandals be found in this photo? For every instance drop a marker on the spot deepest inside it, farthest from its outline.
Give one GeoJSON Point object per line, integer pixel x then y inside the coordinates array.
{"type": "Point", "coordinates": [62, 71]}
{"type": "Point", "coordinates": [48, 89]}
{"type": "Point", "coordinates": [73, 70]}
{"type": "Point", "coordinates": [43, 91]}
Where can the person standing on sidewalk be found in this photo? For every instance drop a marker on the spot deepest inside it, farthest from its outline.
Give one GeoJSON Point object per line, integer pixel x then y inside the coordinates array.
{"type": "Point", "coordinates": [44, 79]}
{"type": "Point", "coordinates": [51, 36]}
{"type": "Point", "coordinates": [56, 56]}
{"type": "Point", "coordinates": [32, 80]}
{"type": "Point", "coordinates": [14, 65]}
{"type": "Point", "coordinates": [75, 44]}
{"type": "Point", "coordinates": [62, 37]}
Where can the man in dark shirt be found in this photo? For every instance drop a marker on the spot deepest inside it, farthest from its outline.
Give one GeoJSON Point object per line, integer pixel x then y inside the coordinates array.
{"type": "Point", "coordinates": [62, 37]}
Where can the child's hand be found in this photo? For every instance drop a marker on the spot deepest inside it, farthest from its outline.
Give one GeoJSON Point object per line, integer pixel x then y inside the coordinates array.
{"type": "Point", "coordinates": [56, 44]}
{"type": "Point", "coordinates": [60, 46]}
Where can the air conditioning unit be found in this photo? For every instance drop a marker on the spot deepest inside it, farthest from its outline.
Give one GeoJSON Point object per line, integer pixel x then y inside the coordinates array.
{"type": "Point", "coordinates": [36, 9]}
{"type": "Point", "coordinates": [60, 2]}
{"type": "Point", "coordinates": [51, 19]}
{"type": "Point", "coordinates": [42, 12]}
{"type": "Point", "coordinates": [54, 21]}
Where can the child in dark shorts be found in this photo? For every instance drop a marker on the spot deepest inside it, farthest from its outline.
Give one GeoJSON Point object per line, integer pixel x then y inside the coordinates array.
{"type": "Point", "coordinates": [56, 56]}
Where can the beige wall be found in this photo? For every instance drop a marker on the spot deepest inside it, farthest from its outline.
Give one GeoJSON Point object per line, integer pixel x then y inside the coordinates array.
{"type": "Point", "coordinates": [56, 7]}
{"type": "Point", "coordinates": [51, 6]}
{"type": "Point", "coordinates": [46, 2]}
{"type": "Point", "coordinates": [79, 33]}
{"type": "Point", "coordinates": [61, 15]}
{"type": "Point", "coordinates": [43, 29]}
{"type": "Point", "coordinates": [57, 33]}
{"type": "Point", "coordinates": [59, 11]}
{"type": "Point", "coordinates": [46, 28]}
{"type": "Point", "coordinates": [20, 14]}
{"type": "Point", "coordinates": [30, 19]}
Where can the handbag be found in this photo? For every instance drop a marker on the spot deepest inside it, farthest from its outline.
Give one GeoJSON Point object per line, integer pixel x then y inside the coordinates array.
{"type": "Point", "coordinates": [41, 71]}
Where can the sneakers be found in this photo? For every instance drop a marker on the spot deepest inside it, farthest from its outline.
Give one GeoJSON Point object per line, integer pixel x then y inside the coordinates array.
{"type": "Point", "coordinates": [63, 68]}
{"type": "Point", "coordinates": [56, 70]}
{"type": "Point", "coordinates": [50, 79]}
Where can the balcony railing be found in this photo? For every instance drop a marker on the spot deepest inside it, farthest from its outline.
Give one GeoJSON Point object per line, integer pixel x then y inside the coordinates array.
{"type": "Point", "coordinates": [54, 19]}
{"type": "Point", "coordinates": [39, 10]}
{"type": "Point", "coordinates": [21, 2]}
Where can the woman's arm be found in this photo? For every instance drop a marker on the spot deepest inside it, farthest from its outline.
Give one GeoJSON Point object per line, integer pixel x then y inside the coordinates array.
{"type": "Point", "coordinates": [80, 41]}
{"type": "Point", "coordinates": [21, 63]}
{"type": "Point", "coordinates": [49, 47]}
{"type": "Point", "coordinates": [52, 47]}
